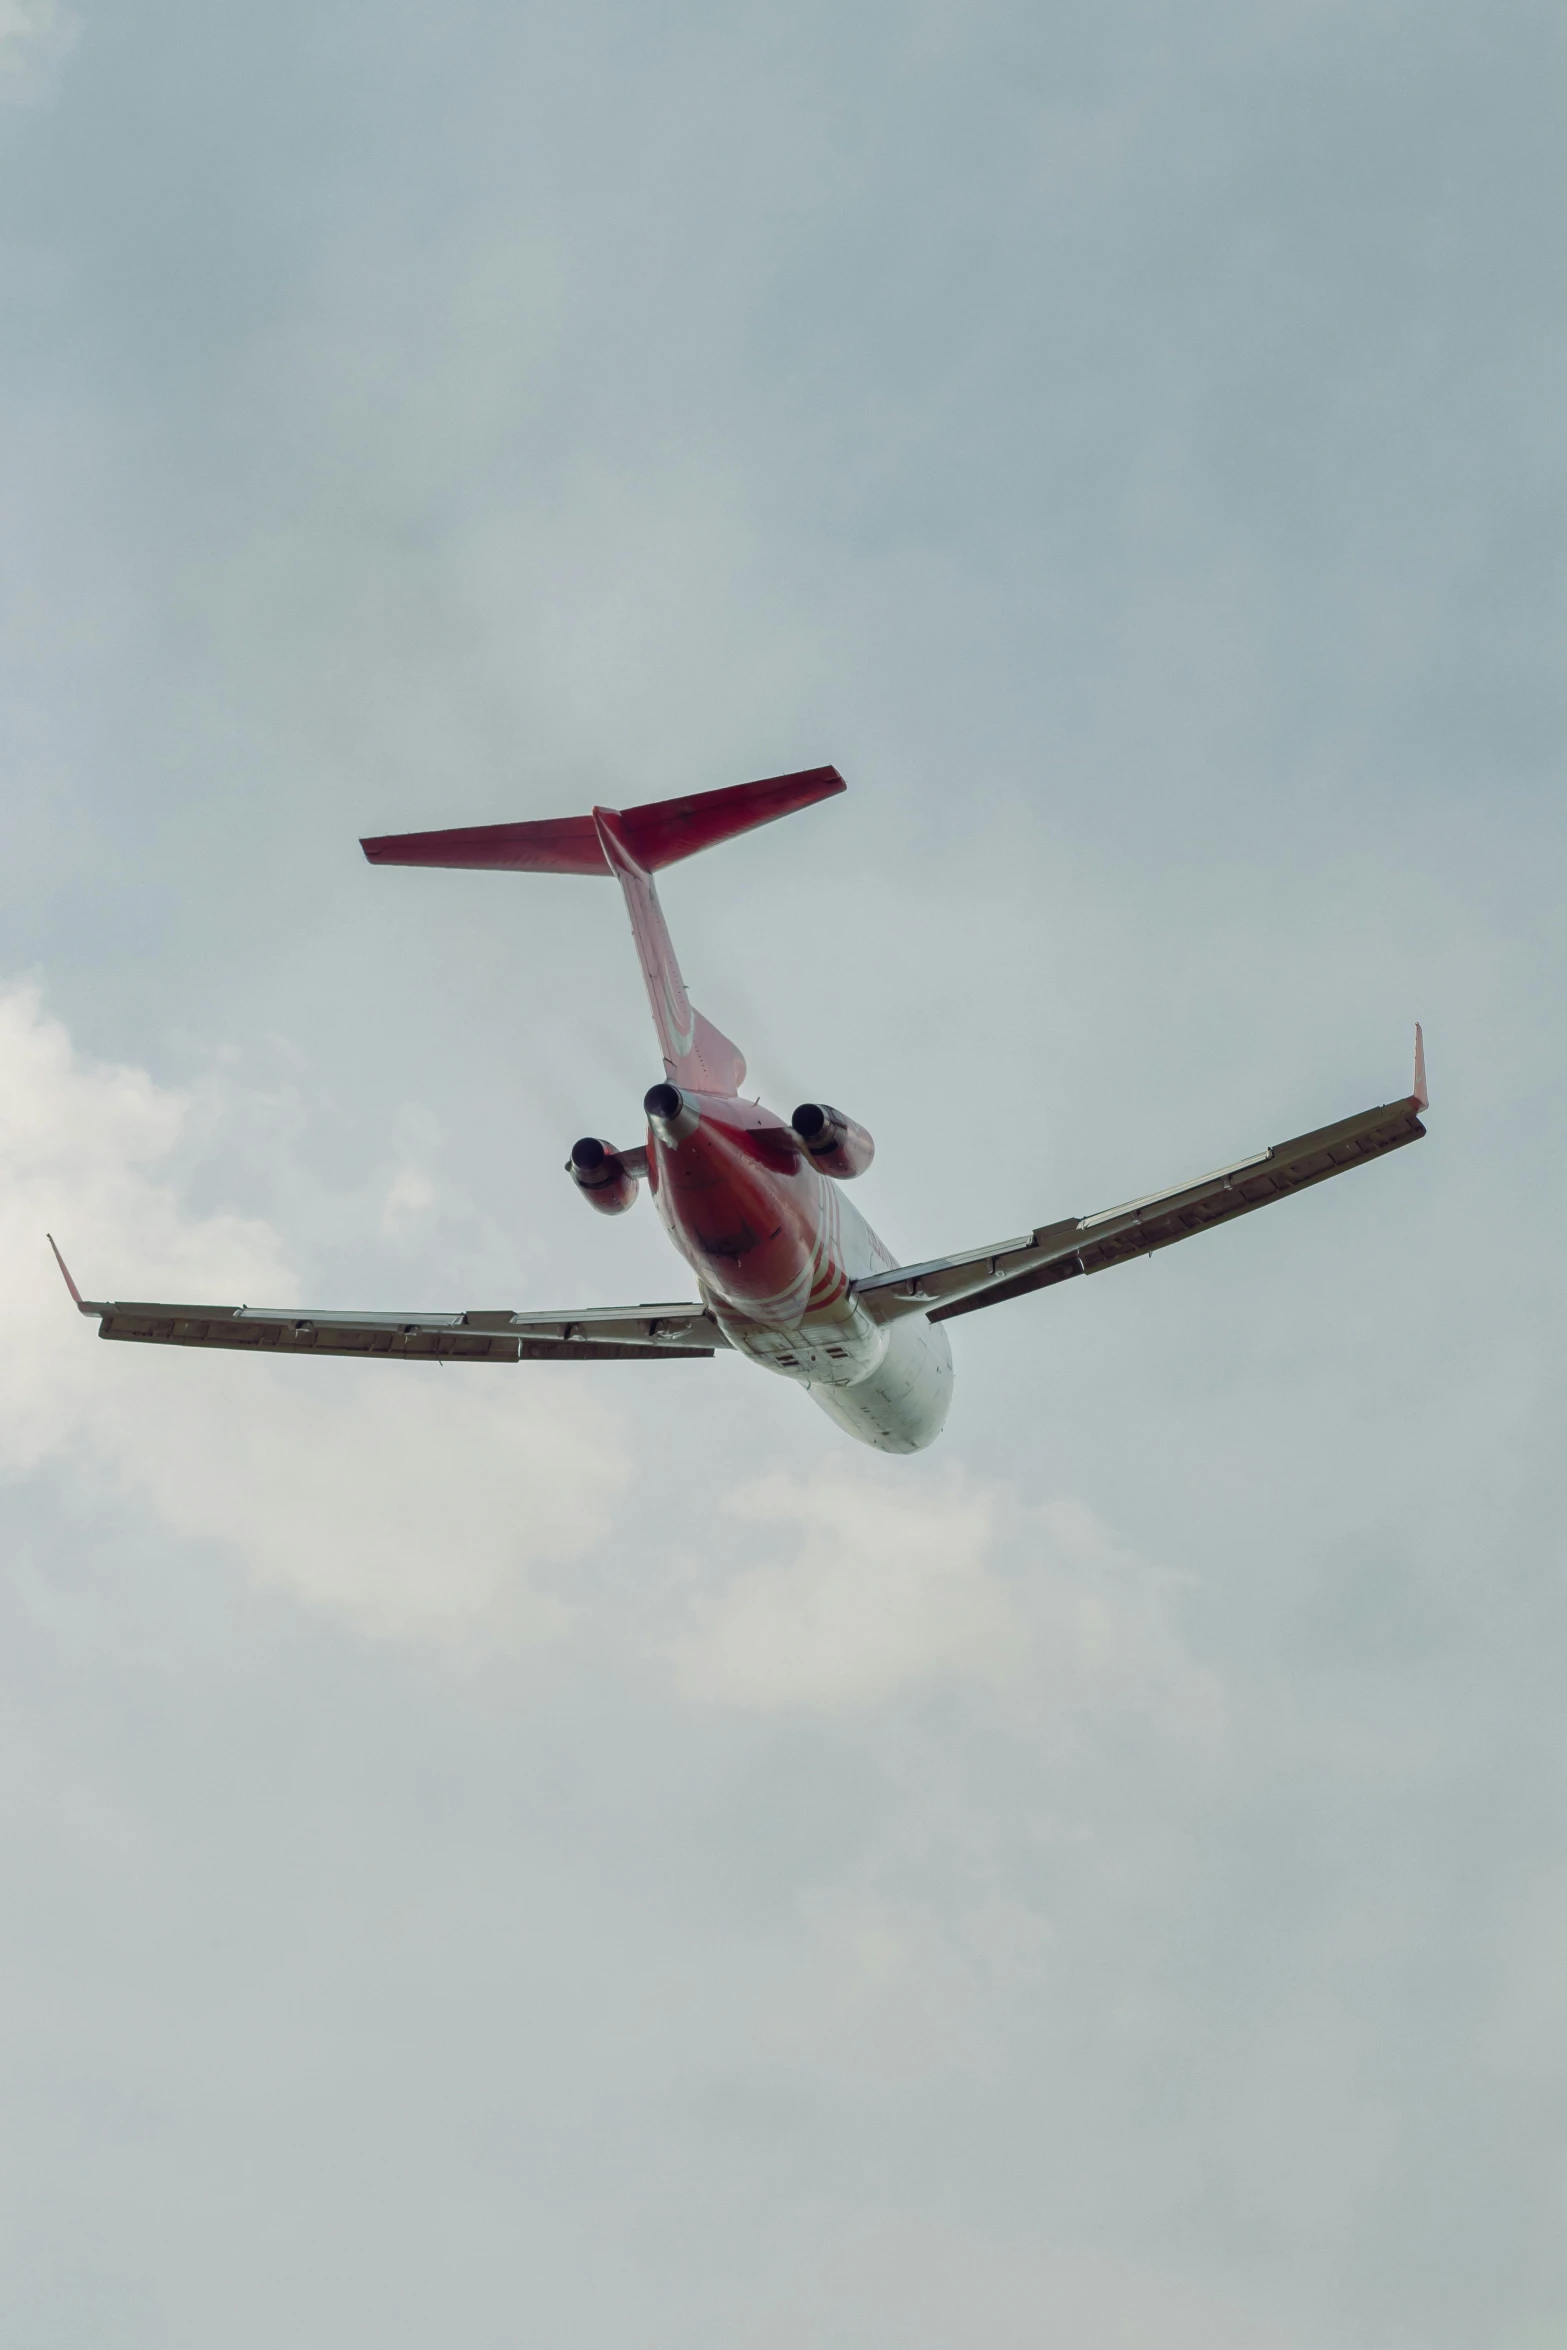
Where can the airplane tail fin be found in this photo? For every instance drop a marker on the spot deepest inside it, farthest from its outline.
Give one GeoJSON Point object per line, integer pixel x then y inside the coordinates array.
{"type": "Point", "coordinates": [632, 844]}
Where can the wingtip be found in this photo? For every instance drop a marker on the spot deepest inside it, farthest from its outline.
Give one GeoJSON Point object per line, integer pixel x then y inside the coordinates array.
{"type": "Point", "coordinates": [76, 1296]}
{"type": "Point", "coordinates": [1422, 1098]}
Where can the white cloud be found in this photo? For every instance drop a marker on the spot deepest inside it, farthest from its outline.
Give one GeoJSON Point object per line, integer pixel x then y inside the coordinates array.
{"type": "Point", "coordinates": [84, 1150]}
{"type": "Point", "coordinates": [420, 1502]}
{"type": "Point", "coordinates": [408, 1500]}
{"type": "Point", "coordinates": [34, 35]}
{"type": "Point", "coordinates": [882, 1590]}
{"type": "Point", "coordinates": [409, 1198]}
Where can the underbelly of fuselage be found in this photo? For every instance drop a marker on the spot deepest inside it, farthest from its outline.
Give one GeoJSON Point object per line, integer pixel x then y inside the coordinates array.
{"type": "Point", "coordinates": [888, 1385]}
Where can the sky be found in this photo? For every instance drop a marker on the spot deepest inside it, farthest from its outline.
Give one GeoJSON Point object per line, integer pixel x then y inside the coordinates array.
{"type": "Point", "coordinates": [587, 1856]}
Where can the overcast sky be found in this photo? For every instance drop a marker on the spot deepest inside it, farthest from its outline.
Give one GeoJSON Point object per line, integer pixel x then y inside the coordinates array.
{"type": "Point", "coordinates": [589, 1857]}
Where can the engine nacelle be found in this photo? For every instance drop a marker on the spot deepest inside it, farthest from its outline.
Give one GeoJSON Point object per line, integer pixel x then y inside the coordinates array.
{"type": "Point", "coordinates": [602, 1176]}
{"type": "Point", "coordinates": [670, 1115]}
{"type": "Point", "coordinates": [836, 1145]}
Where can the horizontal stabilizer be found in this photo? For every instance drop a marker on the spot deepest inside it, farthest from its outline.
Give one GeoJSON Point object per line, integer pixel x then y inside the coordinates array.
{"type": "Point", "coordinates": [659, 833]}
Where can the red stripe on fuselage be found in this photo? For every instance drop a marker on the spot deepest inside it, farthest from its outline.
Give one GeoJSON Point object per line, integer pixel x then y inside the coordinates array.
{"type": "Point", "coordinates": [743, 1204]}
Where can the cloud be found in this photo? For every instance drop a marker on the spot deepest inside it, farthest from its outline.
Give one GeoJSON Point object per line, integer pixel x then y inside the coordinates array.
{"type": "Point", "coordinates": [422, 1503]}
{"type": "Point", "coordinates": [34, 35]}
{"type": "Point", "coordinates": [410, 1502]}
{"type": "Point", "coordinates": [881, 1591]}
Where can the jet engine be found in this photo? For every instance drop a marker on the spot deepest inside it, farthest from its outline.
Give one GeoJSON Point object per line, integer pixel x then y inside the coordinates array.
{"type": "Point", "coordinates": [602, 1176]}
{"type": "Point", "coordinates": [669, 1113]}
{"type": "Point", "coordinates": [835, 1143]}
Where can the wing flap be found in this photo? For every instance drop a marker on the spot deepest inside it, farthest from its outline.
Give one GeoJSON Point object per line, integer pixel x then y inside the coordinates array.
{"type": "Point", "coordinates": [961, 1284]}
{"type": "Point", "coordinates": [598, 1334]}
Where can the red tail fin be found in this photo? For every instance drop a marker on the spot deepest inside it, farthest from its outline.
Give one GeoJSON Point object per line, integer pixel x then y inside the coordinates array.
{"type": "Point", "coordinates": [633, 844]}
{"type": "Point", "coordinates": [659, 833]}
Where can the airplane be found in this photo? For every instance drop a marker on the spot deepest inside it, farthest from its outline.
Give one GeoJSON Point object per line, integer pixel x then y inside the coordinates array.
{"type": "Point", "coordinates": [789, 1275]}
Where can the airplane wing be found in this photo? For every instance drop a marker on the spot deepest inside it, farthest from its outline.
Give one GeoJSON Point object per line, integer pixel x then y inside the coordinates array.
{"type": "Point", "coordinates": [1091, 1244]}
{"type": "Point", "coordinates": [596, 1334]}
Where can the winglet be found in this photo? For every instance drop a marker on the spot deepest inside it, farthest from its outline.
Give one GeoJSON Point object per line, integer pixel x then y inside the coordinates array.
{"type": "Point", "coordinates": [1422, 1099]}
{"type": "Point", "coordinates": [76, 1295]}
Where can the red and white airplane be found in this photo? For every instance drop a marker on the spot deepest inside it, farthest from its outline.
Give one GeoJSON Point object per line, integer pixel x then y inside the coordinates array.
{"type": "Point", "coordinates": [788, 1273]}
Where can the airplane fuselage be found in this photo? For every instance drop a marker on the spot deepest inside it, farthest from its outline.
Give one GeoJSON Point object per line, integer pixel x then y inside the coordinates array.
{"type": "Point", "coordinates": [776, 1246]}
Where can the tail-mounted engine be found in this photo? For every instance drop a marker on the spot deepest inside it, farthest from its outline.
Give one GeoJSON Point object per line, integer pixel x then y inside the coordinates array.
{"type": "Point", "coordinates": [834, 1142]}
{"type": "Point", "coordinates": [602, 1176]}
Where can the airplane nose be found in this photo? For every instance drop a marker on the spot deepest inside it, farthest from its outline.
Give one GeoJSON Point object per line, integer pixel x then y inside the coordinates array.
{"type": "Point", "coordinates": [671, 1116]}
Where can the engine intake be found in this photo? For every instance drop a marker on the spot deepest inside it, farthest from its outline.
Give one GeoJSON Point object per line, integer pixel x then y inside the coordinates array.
{"type": "Point", "coordinates": [835, 1144]}
{"type": "Point", "coordinates": [602, 1176]}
